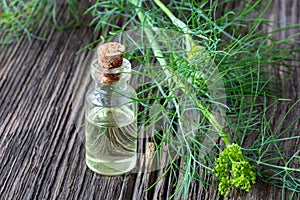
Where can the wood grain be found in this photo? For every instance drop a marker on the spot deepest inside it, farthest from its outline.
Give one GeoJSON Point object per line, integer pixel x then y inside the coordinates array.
{"type": "Point", "coordinates": [42, 156]}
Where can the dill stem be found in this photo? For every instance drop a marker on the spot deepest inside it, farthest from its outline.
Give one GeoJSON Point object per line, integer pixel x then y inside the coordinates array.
{"type": "Point", "coordinates": [174, 19]}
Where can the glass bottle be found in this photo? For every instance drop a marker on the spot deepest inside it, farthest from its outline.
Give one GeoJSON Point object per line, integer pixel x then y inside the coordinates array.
{"type": "Point", "coordinates": [110, 120]}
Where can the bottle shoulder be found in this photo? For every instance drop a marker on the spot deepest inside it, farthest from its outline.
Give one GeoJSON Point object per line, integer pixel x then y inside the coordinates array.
{"type": "Point", "coordinates": [109, 98]}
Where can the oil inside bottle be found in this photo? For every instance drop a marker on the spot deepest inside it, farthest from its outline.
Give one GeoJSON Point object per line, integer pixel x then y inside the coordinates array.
{"type": "Point", "coordinates": [111, 140]}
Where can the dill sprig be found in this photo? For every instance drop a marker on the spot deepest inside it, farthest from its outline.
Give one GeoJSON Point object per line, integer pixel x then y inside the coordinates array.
{"type": "Point", "coordinates": [232, 169]}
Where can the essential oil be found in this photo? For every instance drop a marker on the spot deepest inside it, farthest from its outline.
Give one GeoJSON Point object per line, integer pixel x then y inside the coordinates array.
{"type": "Point", "coordinates": [111, 140]}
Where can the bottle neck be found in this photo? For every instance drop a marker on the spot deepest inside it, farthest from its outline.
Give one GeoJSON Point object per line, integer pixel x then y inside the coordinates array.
{"type": "Point", "coordinates": [111, 79]}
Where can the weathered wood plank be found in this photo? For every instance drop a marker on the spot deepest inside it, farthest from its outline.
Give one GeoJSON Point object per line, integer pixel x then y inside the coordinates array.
{"type": "Point", "coordinates": [42, 86]}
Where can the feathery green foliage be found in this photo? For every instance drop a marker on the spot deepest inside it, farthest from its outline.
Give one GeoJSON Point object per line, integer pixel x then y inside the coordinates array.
{"type": "Point", "coordinates": [19, 18]}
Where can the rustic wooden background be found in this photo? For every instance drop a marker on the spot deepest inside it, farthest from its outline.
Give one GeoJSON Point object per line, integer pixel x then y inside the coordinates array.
{"type": "Point", "coordinates": [42, 87]}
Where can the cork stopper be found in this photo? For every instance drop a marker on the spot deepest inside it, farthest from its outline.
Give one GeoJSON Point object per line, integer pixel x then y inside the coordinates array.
{"type": "Point", "coordinates": [110, 56]}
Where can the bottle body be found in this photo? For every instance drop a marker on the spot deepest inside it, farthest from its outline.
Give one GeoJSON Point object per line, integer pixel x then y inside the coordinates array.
{"type": "Point", "coordinates": [111, 128]}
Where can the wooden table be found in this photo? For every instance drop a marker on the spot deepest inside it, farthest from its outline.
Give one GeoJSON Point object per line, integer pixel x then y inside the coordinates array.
{"type": "Point", "coordinates": [42, 87]}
